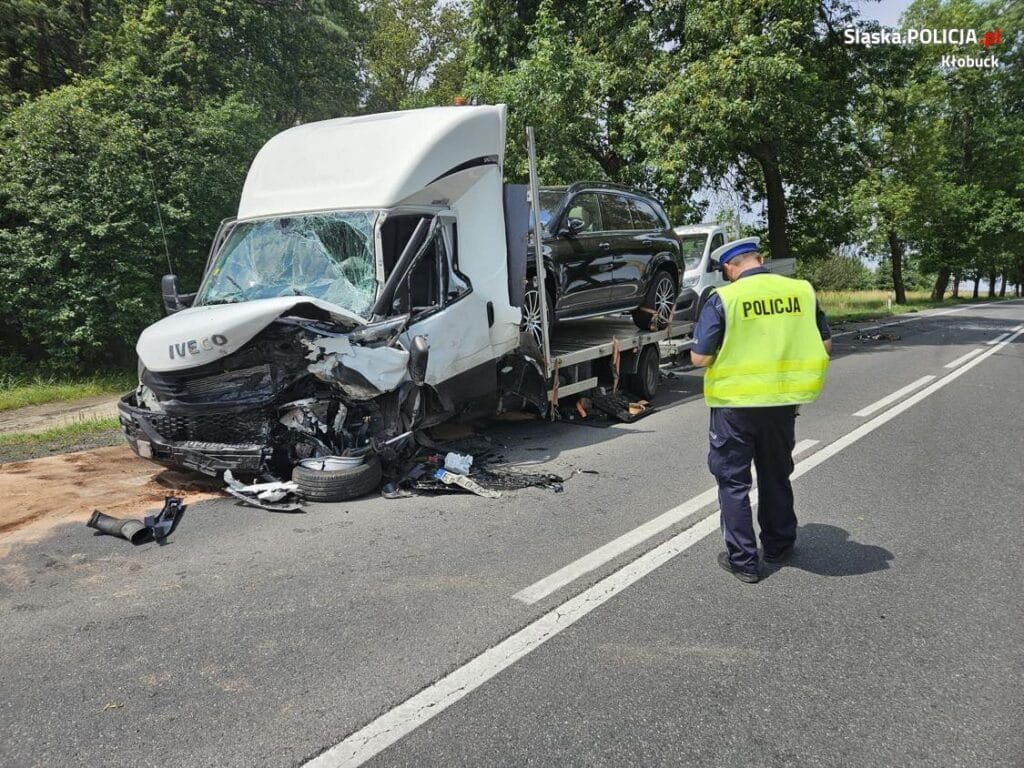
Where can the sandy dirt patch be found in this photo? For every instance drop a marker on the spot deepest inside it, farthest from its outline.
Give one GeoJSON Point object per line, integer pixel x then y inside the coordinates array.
{"type": "Point", "coordinates": [39, 494]}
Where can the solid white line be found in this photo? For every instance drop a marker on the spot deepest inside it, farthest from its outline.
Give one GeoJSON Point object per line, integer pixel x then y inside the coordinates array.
{"type": "Point", "coordinates": [997, 339]}
{"type": "Point", "coordinates": [604, 554]}
{"type": "Point", "coordinates": [900, 319]}
{"type": "Point", "coordinates": [963, 358]}
{"type": "Point", "coordinates": [390, 727]}
{"type": "Point", "coordinates": [385, 730]}
{"type": "Point", "coordinates": [614, 548]}
{"type": "Point", "coordinates": [880, 404]}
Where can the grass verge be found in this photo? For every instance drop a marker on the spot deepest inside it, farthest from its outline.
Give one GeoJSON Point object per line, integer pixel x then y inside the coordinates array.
{"type": "Point", "coordinates": [856, 306]}
{"type": "Point", "coordinates": [79, 436]}
{"type": "Point", "coordinates": [17, 392]}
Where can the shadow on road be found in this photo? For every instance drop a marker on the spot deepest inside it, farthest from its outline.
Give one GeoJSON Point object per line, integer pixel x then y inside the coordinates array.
{"type": "Point", "coordinates": [828, 551]}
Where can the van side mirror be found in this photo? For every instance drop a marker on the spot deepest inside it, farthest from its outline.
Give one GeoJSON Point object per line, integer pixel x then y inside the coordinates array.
{"type": "Point", "coordinates": [713, 265]}
{"type": "Point", "coordinates": [419, 352]}
{"type": "Point", "coordinates": [174, 301]}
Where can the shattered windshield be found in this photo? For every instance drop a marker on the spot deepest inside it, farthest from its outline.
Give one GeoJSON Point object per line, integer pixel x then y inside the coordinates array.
{"type": "Point", "coordinates": [328, 256]}
{"type": "Point", "coordinates": [692, 249]}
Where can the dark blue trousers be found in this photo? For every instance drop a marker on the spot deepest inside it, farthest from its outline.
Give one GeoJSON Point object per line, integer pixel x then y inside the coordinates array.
{"type": "Point", "coordinates": [764, 436]}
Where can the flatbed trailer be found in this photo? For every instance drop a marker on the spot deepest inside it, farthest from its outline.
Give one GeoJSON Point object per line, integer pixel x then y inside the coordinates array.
{"type": "Point", "coordinates": [577, 345]}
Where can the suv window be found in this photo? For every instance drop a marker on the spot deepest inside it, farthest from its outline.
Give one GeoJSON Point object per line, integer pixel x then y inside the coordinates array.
{"type": "Point", "coordinates": [644, 216]}
{"type": "Point", "coordinates": [616, 212]}
{"type": "Point", "coordinates": [586, 208]}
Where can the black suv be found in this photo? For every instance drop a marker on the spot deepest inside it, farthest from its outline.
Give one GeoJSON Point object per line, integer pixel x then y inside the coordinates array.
{"type": "Point", "coordinates": [607, 249]}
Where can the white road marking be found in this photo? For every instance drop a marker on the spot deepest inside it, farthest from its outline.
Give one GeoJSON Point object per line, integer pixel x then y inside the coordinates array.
{"type": "Point", "coordinates": [997, 339]}
{"type": "Point", "coordinates": [410, 714]}
{"type": "Point", "coordinates": [614, 548]}
{"type": "Point", "coordinates": [919, 316]}
{"type": "Point", "coordinates": [963, 358]}
{"type": "Point", "coordinates": [880, 404]}
{"type": "Point", "coordinates": [385, 730]}
{"type": "Point", "coordinates": [608, 552]}
{"type": "Point", "coordinates": [803, 445]}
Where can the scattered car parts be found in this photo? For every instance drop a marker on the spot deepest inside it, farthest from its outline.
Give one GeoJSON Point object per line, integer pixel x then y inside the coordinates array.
{"type": "Point", "coordinates": [156, 527]}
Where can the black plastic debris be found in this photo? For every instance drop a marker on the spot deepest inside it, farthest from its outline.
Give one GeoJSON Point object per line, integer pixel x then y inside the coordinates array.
{"type": "Point", "coordinates": [163, 523]}
{"type": "Point", "coordinates": [155, 527]}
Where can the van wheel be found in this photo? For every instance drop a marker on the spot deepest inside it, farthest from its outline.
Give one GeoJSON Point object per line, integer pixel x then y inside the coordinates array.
{"type": "Point", "coordinates": [531, 323]}
{"type": "Point", "coordinates": [644, 383]}
{"type": "Point", "coordinates": [338, 484]}
{"type": "Point", "coordinates": [659, 304]}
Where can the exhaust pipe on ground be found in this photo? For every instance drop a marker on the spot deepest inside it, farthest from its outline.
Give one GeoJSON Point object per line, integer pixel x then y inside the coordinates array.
{"type": "Point", "coordinates": [134, 531]}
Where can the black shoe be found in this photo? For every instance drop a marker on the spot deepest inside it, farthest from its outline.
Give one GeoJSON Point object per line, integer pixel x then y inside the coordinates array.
{"type": "Point", "coordinates": [745, 576]}
{"type": "Point", "coordinates": [781, 557]}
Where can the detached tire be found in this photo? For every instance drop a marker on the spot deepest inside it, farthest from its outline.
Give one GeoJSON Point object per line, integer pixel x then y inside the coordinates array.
{"type": "Point", "coordinates": [338, 484]}
{"type": "Point", "coordinates": [659, 303]}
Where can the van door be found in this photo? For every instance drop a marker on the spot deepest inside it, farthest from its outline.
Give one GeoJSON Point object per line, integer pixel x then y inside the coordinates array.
{"type": "Point", "coordinates": [445, 310]}
{"type": "Point", "coordinates": [714, 277]}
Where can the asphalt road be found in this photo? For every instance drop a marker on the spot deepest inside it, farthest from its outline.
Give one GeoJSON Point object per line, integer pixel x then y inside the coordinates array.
{"type": "Point", "coordinates": [896, 637]}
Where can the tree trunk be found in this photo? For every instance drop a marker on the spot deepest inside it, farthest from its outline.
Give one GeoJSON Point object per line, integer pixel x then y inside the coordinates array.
{"type": "Point", "coordinates": [941, 283]}
{"type": "Point", "coordinates": [896, 252]}
{"type": "Point", "coordinates": [992, 284]}
{"type": "Point", "coordinates": [977, 282]}
{"type": "Point", "coordinates": [775, 192]}
{"type": "Point", "coordinates": [1002, 286]}
{"type": "Point", "coordinates": [956, 286]}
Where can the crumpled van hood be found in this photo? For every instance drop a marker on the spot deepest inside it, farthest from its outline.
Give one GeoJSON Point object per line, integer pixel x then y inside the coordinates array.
{"type": "Point", "coordinates": [200, 335]}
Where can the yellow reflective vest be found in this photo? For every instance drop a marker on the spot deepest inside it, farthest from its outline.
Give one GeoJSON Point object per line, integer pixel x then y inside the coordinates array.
{"type": "Point", "coordinates": [772, 353]}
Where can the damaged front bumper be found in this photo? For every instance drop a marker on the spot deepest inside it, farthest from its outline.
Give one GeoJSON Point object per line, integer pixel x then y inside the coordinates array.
{"type": "Point", "coordinates": [197, 441]}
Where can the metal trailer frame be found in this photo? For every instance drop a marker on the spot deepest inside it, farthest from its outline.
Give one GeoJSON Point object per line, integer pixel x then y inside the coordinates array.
{"type": "Point", "coordinates": [588, 340]}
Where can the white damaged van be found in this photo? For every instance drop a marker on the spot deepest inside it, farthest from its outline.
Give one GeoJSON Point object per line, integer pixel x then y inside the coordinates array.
{"type": "Point", "coordinates": [370, 285]}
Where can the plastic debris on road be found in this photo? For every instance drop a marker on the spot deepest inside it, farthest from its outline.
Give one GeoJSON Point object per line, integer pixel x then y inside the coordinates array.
{"type": "Point", "coordinates": [451, 478]}
{"type": "Point", "coordinates": [459, 463]}
{"type": "Point", "coordinates": [271, 496]}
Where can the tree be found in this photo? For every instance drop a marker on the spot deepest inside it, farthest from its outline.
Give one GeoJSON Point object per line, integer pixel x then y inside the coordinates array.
{"type": "Point", "coordinates": [900, 133]}
{"type": "Point", "coordinates": [983, 163]}
{"type": "Point", "coordinates": [762, 89]}
{"type": "Point", "coordinates": [416, 53]}
{"type": "Point", "coordinates": [170, 100]}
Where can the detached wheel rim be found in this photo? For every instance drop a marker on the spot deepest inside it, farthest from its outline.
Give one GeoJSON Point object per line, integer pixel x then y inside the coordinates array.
{"type": "Point", "coordinates": [531, 317]}
{"type": "Point", "coordinates": [664, 300]}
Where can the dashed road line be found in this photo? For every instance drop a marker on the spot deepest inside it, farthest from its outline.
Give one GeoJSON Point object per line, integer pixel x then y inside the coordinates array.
{"type": "Point", "coordinates": [963, 358]}
{"type": "Point", "coordinates": [880, 404]}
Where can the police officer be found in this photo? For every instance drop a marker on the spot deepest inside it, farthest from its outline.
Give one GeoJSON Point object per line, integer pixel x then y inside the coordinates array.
{"type": "Point", "coordinates": [765, 343]}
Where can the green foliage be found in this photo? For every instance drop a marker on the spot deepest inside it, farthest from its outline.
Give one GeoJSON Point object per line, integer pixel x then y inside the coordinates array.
{"type": "Point", "coordinates": [416, 55]}
{"type": "Point", "coordinates": [80, 240]}
{"type": "Point", "coordinates": [107, 102]}
{"type": "Point", "coordinates": [155, 101]}
{"type": "Point", "coordinates": [835, 273]}
{"type": "Point", "coordinates": [758, 90]}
